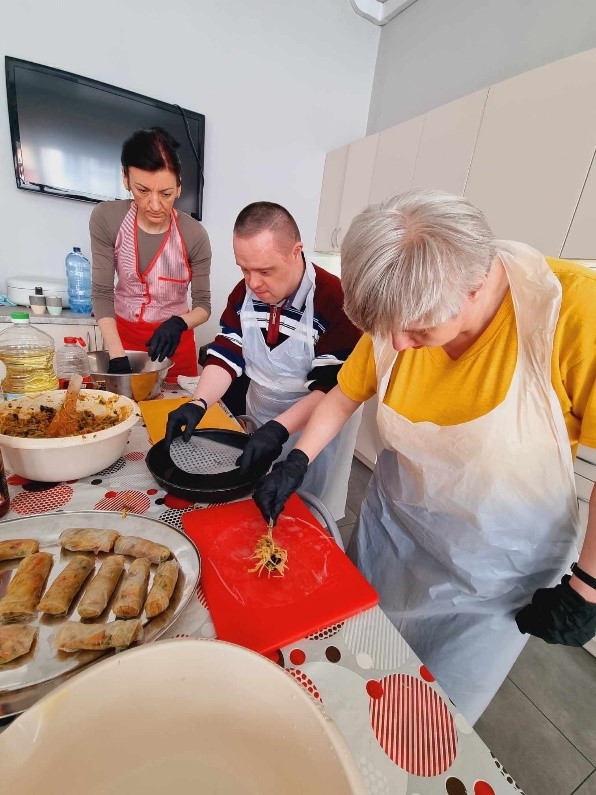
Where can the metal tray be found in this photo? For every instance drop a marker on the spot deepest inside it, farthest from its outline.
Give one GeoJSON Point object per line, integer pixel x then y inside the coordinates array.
{"type": "Point", "coordinates": [44, 664]}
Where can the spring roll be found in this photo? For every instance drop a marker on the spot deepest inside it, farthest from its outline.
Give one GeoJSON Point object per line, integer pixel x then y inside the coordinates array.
{"type": "Point", "coordinates": [15, 640]}
{"type": "Point", "coordinates": [18, 548]}
{"type": "Point", "coordinates": [101, 587]}
{"type": "Point", "coordinates": [162, 589]}
{"type": "Point", "coordinates": [63, 590]}
{"type": "Point", "coordinates": [73, 636]}
{"type": "Point", "coordinates": [141, 548]}
{"type": "Point", "coordinates": [133, 591]}
{"type": "Point", "coordinates": [84, 539]}
{"type": "Point", "coordinates": [25, 589]}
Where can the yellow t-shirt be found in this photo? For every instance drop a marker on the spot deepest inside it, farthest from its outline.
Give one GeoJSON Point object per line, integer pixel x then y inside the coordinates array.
{"type": "Point", "coordinates": [426, 385]}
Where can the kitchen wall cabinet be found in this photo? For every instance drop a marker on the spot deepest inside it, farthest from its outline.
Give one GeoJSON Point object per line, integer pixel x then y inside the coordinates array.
{"type": "Point", "coordinates": [357, 181]}
{"type": "Point", "coordinates": [58, 332]}
{"type": "Point", "coordinates": [395, 161]}
{"type": "Point", "coordinates": [581, 238]}
{"type": "Point", "coordinates": [447, 143]}
{"type": "Point", "coordinates": [330, 201]}
{"type": "Point", "coordinates": [534, 149]}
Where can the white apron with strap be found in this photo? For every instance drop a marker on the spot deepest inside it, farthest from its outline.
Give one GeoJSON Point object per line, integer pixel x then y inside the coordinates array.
{"type": "Point", "coordinates": [461, 524]}
{"type": "Point", "coordinates": [277, 382]}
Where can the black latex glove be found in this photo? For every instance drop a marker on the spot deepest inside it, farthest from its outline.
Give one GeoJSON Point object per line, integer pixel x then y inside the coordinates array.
{"type": "Point", "coordinates": [274, 489]}
{"type": "Point", "coordinates": [119, 366]}
{"type": "Point", "coordinates": [166, 338]}
{"type": "Point", "coordinates": [263, 447]}
{"type": "Point", "coordinates": [559, 615]}
{"type": "Point", "coordinates": [189, 414]}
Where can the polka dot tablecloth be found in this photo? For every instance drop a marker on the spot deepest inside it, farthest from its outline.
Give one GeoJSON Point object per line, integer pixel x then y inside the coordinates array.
{"type": "Point", "coordinates": [405, 735]}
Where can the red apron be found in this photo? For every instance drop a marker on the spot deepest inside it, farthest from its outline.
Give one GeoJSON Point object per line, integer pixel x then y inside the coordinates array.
{"type": "Point", "coordinates": [135, 336]}
{"type": "Point", "coordinates": [143, 301]}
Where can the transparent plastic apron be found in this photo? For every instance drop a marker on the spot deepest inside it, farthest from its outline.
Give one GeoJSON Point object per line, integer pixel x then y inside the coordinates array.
{"type": "Point", "coordinates": [277, 382]}
{"type": "Point", "coordinates": [461, 524]}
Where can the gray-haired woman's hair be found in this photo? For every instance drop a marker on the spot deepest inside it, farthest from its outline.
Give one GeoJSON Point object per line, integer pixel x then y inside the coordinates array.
{"type": "Point", "coordinates": [411, 261]}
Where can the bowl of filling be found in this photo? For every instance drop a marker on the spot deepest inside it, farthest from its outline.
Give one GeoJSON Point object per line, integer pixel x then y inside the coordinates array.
{"type": "Point", "coordinates": [92, 438]}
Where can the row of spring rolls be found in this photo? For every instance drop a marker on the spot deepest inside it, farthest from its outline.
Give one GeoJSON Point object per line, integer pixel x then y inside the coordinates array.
{"type": "Point", "coordinates": [22, 601]}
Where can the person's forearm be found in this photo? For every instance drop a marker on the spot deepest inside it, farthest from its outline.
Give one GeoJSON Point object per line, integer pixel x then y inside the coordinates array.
{"type": "Point", "coordinates": [196, 317]}
{"type": "Point", "coordinates": [328, 418]}
{"type": "Point", "coordinates": [111, 338]}
{"type": "Point", "coordinates": [587, 558]}
{"type": "Point", "coordinates": [296, 417]}
{"type": "Point", "coordinates": [213, 384]}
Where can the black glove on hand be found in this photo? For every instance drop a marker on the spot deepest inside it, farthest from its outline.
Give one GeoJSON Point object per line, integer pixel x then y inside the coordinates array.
{"type": "Point", "coordinates": [189, 415]}
{"type": "Point", "coordinates": [559, 615]}
{"type": "Point", "coordinates": [285, 478]}
{"type": "Point", "coordinates": [119, 366]}
{"type": "Point", "coordinates": [263, 447]}
{"type": "Point", "coordinates": [166, 338]}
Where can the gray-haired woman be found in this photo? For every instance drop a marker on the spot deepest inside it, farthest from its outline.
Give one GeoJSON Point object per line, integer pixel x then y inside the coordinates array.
{"type": "Point", "coordinates": [482, 355]}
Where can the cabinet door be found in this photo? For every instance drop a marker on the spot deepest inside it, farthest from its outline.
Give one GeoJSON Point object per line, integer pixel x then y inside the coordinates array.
{"type": "Point", "coordinates": [449, 135]}
{"type": "Point", "coordinates": [359, 172]}
{"type": "Point", "coordinates": [99, 343]}
{"type": "Point", "coordinates": [534, 150]}
{"type": "Point", "coordinates": [581, 238]}
{"type": "Point", "coordinates": [330, 202]}
{"type": "Point", "coordinates": [396, 157]}
{"type": "Point", "coordinates": [58, 331]}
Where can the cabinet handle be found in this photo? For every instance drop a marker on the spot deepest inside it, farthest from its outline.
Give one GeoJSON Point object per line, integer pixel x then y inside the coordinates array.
{"type": "Point", "coordinates": [334, 238]}
{"type": "Point", "coordinates": [337, 243]}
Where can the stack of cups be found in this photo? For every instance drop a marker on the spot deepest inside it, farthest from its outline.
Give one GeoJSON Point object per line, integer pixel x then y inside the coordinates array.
{"type": "Point", "coordinates": [54, 304]}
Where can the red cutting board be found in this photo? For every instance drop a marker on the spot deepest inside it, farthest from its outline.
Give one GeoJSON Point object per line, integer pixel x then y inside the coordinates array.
{"type": "Point", "coordinates": [320, 587]}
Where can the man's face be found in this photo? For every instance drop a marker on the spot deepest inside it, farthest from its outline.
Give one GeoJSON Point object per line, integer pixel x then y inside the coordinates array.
{"type": "Point", "coordinates": [272, 268]}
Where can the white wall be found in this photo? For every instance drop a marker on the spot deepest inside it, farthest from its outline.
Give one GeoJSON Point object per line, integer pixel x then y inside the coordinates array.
{"type": "Point", "coordinates": [438, 50]}
{"type": "Point", "coordinates": [280, 84]}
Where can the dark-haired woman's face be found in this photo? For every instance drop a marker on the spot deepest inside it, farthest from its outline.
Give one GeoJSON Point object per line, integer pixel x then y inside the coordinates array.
{"type": "Point", "coordinates": [154, 193]}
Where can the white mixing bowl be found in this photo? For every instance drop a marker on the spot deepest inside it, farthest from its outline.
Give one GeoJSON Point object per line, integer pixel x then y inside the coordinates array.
{"type": "Point", "coordinates": [72, 457]}
{"type": "Point", "coordinates": [180, 717]}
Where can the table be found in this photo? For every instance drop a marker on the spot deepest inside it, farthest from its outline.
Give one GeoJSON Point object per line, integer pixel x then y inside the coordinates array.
{"type": "Point", "coordinates": [404, 733]}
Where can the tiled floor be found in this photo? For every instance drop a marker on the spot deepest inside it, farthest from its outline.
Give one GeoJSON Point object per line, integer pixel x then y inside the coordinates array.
{"type": "Point", "coordinates": [542, 723]}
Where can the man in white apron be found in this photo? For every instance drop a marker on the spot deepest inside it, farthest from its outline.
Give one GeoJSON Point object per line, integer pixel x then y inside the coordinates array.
{"type": "Point", "coordinates": [284, 326]}
{"type": "Point", "coordinates": [464, 524]}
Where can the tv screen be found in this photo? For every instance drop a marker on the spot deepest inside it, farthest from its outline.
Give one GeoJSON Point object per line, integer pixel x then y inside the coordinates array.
{"type": "Point", "coordinates": [67, 133]}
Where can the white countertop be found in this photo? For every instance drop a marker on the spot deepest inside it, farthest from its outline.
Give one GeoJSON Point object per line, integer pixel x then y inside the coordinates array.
{"type": "Point", "coordinates": [66, 318]}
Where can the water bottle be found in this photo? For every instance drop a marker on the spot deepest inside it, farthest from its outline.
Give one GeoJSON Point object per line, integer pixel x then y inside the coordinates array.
{"type": "Point", "coordinates": [72, 358]}
{"type": "Point", "coordinates": [78, 273]}
{"type": "Point", "coordinates": [28, 356]}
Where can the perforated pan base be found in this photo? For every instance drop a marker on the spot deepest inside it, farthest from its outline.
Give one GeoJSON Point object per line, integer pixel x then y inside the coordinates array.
{"type": "Point", "coordinates": [204, 469]}
{"type": "Point", "coordinates": [203, 456]}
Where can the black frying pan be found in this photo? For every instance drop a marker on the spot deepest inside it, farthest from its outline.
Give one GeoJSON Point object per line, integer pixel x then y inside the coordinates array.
{"type": "Point", "coordinates": [204, 469]}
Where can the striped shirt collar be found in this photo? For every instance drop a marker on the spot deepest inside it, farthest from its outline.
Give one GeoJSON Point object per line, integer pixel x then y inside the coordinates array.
{"type": "Point", "coordinates": [298, 298]}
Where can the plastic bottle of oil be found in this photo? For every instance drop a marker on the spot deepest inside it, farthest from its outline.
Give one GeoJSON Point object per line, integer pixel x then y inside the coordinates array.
{"type": "Point", "coordinates": [28, 355]}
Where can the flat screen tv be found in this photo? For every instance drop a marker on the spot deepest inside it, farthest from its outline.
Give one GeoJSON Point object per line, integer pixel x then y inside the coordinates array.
{"type": "Point", "coordinates": [67, 132]}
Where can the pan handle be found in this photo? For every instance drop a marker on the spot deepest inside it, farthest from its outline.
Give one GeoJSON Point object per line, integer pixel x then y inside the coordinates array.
{"type": "Point", "coordinates": [316, 504]}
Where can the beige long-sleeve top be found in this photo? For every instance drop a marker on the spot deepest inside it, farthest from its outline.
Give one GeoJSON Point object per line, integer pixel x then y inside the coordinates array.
{"type": "Point", "coordinates": [104, 224]}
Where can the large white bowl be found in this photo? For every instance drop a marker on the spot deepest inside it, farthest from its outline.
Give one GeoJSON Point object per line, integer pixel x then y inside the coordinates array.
{"type": "Point", "coordinates": [178, 717]}
{"type": "Point", "coordinates": [72, 457]}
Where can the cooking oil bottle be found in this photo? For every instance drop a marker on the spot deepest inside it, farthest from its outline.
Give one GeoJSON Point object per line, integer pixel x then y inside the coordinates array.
{"type": "Point", "coordinates": [28, 355]}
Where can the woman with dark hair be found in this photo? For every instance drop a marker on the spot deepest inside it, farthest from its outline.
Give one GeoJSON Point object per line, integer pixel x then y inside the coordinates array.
{"type": "Point", "coordinates": [156, 252]}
